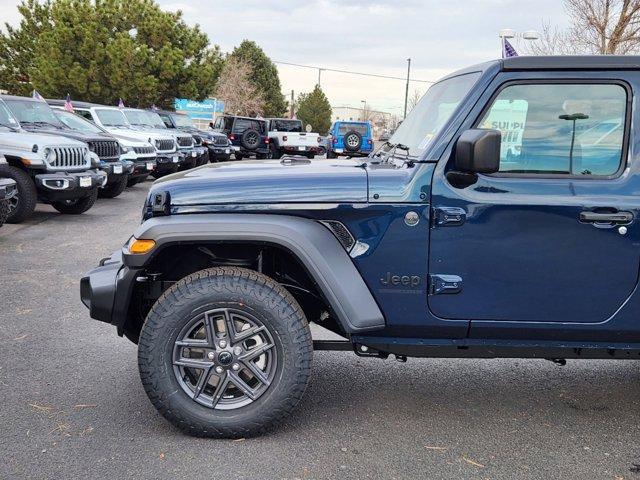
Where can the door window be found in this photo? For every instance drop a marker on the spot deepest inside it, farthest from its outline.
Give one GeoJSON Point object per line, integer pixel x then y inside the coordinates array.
{"type": "Point", "coordinates": [572, 129]}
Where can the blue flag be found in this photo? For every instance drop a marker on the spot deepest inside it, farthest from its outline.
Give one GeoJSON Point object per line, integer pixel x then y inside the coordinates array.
{"type": "Point", "coordinates": [507, 49]}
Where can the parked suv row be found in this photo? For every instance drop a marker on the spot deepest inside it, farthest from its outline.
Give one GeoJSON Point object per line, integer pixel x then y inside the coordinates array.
{"type": "Point", "coordinates": [68, 156]}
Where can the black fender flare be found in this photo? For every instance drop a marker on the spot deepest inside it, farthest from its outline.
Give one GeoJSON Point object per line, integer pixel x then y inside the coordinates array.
{"type": "Point", "coordinates": [313, 244]}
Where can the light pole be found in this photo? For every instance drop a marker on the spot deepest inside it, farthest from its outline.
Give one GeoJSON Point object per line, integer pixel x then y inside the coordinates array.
{"type": "Point", "coordinates": [319, 75]}
{"type": "Point", "coordinates": [406, 91]}
{"type": "Point", "coordinates": [572, 118]}
{"type": "Point", "coordinates": [364, 106]}
{"type": "Point", "coordinates": [505, 33]}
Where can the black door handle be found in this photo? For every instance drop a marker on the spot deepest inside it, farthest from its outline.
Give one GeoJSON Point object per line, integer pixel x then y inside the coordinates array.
{"type": "Point", "coordinates": [617, 218]}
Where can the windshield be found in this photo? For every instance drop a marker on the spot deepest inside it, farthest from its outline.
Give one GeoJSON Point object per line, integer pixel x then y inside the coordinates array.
{"type": "Point", "coordinates": [182, 120]}
{"type": "Point", "coordinates": [30, 112]}
{"type": "Point", "coordinates": [286, 126]}
{"type": "Point", "coordinates": [6, 117]}
{"type": "Point", "coordinates": [79, 124]}
{"type": "Point", "coordinates": [111, 117]}
{"type": "Point", "coordinates": [155, 120]}
{"type": "Point", "coordinates": [144, 118]}
{"type": "Point", "coordinates": [432, 112]}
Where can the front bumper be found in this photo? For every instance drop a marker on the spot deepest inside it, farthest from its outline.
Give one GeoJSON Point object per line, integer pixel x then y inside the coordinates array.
{"type": "Point", "coordinates": [142, 167]}
{"type": "Point", "coordinates": [106, 290]}
{"type": "Point", "coordinates": [66, 186]}
{"type": "Point", "coordinates": [114, 170]}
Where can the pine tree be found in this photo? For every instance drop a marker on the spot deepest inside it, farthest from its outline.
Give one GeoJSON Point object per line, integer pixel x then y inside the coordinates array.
{"type": "Point", "coordinates": [102, 51]}
{"type": "Point", "coordinates": [264, 76]}
{"type": "Point", "coordinates": [314, 109]}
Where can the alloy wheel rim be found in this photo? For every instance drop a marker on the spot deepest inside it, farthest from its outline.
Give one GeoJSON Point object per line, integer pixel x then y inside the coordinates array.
{"type": "Point", "coordinates": [352, 140]}
{"type": "Point", "coordinates": [224, 359]}
{"type": "Point", "coordinates": [13, 204]}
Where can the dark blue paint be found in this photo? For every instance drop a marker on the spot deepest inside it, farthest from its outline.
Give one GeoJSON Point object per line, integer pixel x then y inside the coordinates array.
{"type": "Point", "coordinates": [532, 273]}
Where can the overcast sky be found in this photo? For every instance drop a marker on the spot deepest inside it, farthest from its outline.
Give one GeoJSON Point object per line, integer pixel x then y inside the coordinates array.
{"type": "Point", "coordinates": [375, 36]}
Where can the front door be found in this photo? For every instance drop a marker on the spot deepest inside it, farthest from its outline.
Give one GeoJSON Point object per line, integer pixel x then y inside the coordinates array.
{"type": "Point", "coordinates": [554, 236]}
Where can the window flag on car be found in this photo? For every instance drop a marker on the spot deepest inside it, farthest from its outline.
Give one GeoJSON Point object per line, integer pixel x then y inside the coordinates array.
{"type": "Point", "coordinates": [68, 106]}
{"type": "Point", "coordinates": [120, 103]}
{"type": "Point", "coordinates": [37, 96]}
{"type": "Point", "coordinates": [507, 49]}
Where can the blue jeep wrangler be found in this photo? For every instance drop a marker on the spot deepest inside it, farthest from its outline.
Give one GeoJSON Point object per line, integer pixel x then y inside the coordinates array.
{"type": "Point", "coordinates": [353, 139]}
{"type": "Point", "coordinates": [500, 220]}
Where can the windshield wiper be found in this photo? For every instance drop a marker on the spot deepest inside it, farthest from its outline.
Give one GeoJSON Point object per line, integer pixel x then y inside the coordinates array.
{"type": "Point", "coordinates": [42, 122]}
{"type": "Point", "coordinates": [10, 127]}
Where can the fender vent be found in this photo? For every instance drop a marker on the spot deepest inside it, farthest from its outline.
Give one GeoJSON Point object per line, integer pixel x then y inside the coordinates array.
{"type": "Point", "coordinates": [341, 233]}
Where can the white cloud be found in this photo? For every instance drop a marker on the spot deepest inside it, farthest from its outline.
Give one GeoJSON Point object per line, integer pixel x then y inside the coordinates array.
{"type": "Point", "coordinates": [374, 36]}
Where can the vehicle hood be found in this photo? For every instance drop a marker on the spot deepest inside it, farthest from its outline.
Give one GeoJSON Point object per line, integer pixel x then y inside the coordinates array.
{"type": "Point", "coordinates": [25, 140]}
{"type": "Point", "coordinates": [266, 182]}
{"type": "Point", "coordinates": [142, 135]}
{"type": "Point", "coordinates": [74, 134]}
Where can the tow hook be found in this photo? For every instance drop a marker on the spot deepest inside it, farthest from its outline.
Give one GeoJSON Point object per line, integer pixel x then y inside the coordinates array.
{"type": "Point", "coordinates": [558, 361]}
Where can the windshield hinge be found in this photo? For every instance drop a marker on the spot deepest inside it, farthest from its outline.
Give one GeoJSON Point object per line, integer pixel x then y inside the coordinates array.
{"type": "Point", "coordinates": [448, 216]}
{"type": "Point", "coordinates": [444, 284]}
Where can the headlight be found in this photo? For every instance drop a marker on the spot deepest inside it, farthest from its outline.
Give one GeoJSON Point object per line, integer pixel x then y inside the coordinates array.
{"type": "Point", "coordinates": [95, 160]}
{"type": "Point", "coordinates": [157, 144]}
{"type": "Point", "coordinates": [50, 155]}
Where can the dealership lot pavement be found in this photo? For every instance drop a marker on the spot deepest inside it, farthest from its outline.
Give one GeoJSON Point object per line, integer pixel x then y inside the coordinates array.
{"type": "Point", "coordinates": [71, 403]}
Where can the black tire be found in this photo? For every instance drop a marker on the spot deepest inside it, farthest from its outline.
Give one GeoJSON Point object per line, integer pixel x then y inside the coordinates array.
{"type": "Point", "coordinates": [275, 152]}
{"type": "Point", "coordinates": [331, 154]}
{"type": "Point", "coordinates": [132, 182]}
{"type": "Point", "coordinates": [250, 139]}
{"type": "Point", "coordinates": [352, 141]}
{"type": "Point", "coordinates": [310, 155]}
{"type": "Point", "coordinates": [238, 156]}
{"type": "Point", "coordinates": [112, 190]}
{"type": "Point", "coordinates": [23, 204]}
{"type": "Point", "coordinates": [249, 293]}
{"type": "Point", "coordinates": [77, 205]}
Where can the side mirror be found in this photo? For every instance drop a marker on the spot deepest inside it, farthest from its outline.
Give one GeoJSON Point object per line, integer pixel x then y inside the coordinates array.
{"type": "Point", "coordinates": [478, 151]}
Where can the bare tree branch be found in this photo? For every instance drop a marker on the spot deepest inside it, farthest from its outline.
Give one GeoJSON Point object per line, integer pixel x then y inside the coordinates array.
{"type": "Point", "coordinates": [239, 94]}
{"type": "Point", "coordinates": [608, 27]}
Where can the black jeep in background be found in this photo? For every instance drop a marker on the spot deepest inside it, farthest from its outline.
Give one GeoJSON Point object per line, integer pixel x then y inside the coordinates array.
{"type": "Point", "coordinates": [248, 136]}
{"type": "Point", "coordinates": [217, 144]}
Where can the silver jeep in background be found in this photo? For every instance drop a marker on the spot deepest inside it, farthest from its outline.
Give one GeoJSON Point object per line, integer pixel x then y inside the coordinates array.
{"type": "Point", "coordinates": [46, 168]}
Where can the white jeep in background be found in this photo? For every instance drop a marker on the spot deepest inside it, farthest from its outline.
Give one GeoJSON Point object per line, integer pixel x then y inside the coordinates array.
{"type": "Point", "coordinates": [48, 169]}
{"type": "Point", "coordinates": [288, 136]}
{"type": "Point", "coordinates": [114, 121]}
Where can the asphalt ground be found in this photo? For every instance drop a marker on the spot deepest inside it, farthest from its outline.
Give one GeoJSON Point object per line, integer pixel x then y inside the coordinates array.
{"type": "Point", "coordinates": [72, 406]}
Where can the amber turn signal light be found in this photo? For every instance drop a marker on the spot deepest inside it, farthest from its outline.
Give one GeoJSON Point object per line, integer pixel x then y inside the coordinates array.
{"type": "Point", "coordinates": [141, 246]}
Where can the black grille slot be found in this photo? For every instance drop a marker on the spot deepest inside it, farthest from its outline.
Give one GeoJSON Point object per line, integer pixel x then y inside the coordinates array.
{"type": "Point", "coordinates": [105, 149]}
{"type": "Point", "coordinates": [164, 145]}
{"type": "Point", "coordinates": [144, 150]}
{"type": "Point", "coordinates": [185, 141]}
{"type": "Point", "coordinates": [341, 233]}
{"type": "Point", "coordinates": [220, 140]}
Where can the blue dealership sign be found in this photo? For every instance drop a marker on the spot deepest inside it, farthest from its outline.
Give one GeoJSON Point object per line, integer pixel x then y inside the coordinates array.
{"type": "Point", "coordinates": [205, 109]}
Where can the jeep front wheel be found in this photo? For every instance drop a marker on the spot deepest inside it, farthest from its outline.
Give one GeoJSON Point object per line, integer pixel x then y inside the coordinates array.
{"type": "Point", "coordinates": [22, 205]}
{"type": "Point", "coordinates": [225, 352]}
